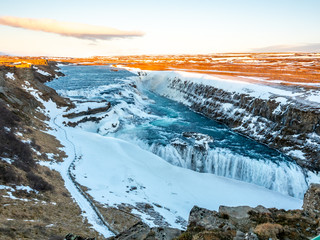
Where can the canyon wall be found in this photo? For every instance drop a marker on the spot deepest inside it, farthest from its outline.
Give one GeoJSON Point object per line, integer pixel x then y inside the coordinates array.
{"type": "Point", "coordinates": [279, 118]}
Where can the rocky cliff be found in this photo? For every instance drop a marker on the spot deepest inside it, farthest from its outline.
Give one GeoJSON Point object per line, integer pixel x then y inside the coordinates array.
{"type": "Point", "coordinates": [283, 118]}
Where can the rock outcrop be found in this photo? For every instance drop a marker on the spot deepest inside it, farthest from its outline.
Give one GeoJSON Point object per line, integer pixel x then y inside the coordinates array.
{"type": "Point", "coordinates": [144, 232]}
{"type": "Point", "coordinates": [311, 202]}
{"type": "Point", "coordinates": [244, 222]}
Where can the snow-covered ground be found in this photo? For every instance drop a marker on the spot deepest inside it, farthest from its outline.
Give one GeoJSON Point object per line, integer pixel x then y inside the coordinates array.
{"type": "Point", "coordinates": [111, 168]}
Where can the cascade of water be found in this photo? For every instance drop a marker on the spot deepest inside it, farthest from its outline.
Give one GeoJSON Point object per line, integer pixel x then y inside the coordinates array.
{"type": "Point", "coordinates": [283, 177]}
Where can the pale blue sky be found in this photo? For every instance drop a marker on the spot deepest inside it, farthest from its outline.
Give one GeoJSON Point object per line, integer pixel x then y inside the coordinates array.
{"type": "Point", "coordinates": [188, 26]}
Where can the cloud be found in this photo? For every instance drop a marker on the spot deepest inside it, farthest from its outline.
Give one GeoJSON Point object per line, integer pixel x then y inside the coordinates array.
{"type": "Point", "coordinates": [68, 29]}
{"type": "Point", "coordinates": [307, 47]}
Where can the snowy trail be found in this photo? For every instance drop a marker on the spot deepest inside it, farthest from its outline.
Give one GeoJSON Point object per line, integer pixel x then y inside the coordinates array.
{"type": "Point", "coordinates": [90, 211]}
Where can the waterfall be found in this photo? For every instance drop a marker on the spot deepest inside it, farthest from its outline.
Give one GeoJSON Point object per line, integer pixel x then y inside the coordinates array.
{"type": "Point", "coordinates": [284, 177]}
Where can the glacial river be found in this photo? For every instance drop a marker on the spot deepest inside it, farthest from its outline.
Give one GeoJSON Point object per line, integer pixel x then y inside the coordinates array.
{"type": "Point", "coordinates": [174, 132]}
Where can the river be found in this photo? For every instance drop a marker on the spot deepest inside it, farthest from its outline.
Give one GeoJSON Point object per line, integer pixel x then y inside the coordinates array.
{"type": "Point", "coordinates": [174, 132]}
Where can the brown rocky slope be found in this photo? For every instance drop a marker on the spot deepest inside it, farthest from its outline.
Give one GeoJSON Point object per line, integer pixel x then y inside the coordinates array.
{"type": "Point", "coordinates": [34, 201]}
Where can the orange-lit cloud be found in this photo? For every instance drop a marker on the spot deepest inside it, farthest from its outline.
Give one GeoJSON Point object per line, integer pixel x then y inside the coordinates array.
{"type": "Point", "coordinates": [78, 30]}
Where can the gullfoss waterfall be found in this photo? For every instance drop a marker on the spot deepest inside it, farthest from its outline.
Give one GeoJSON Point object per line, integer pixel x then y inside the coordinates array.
{"type": "Point", "coordinates": [149, 149]}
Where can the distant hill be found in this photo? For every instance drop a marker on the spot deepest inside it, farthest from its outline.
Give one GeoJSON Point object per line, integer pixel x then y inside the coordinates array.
{"type": "Point", "coordinates": [3, 53]}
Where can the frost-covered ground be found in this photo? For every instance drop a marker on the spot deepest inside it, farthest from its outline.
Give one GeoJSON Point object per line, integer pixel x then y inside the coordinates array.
{"type": "Point", "coordinates": [117, 171]}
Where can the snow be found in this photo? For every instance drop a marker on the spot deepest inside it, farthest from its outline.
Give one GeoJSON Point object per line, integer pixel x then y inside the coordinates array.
{"type": "Point", "coordinates": [227, 106]}
{"type": "Point", "coordinates": [43, 72]}
{"type": "Point", "coordinates": [51, 156]}
{"type": "Point", "coordinates": [7, 129]}
{"type": "Point", "coordinates": [8, 160]}
{"type": "Point", "coordinates": [9, 193]}
{"type": "Point", "coordinates": [26, 188]}
{"type": "Point", "coordinates": [109, 165]}
{"type": "Point", "coordinates": [281, 100]}
{"type": "Point", "coordinates": [21, 187]}
{"type": "Point", "coordinates": [19, 134]}
{"type": "Point", "coordinates": [4, 187]}
{"type": "Point", "coordinates": [10, 75]}
{"type": "Point", "coordinates": [314, 97]}
{"type": "Point", "coordinates": [297, 153]}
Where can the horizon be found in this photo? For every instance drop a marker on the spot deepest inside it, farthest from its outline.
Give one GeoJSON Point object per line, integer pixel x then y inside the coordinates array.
{"type": "Point", "coordinates": [223, 54]}
{"type": "Point", "coordinates": [124, 28]}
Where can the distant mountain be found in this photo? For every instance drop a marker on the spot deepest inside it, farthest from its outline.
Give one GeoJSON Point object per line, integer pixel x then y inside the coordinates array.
{"type": "Point", "coordinates": [3, 53]}
{"type": "Point", "coordinates": [308, 47]}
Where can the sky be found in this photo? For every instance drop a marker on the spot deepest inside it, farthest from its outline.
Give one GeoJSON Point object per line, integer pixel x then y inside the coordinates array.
{"type": "Point", "coordinates": [83, 28]}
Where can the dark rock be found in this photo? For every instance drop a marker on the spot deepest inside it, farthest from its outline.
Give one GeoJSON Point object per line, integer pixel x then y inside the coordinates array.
{"type": "Point", "coordinates": [311, 201]}
{"type": "Point", "coordinates": [206, 219]}
{"type": "Point", "coordinates": [71, 236]}
{"type": "Point", "coordinates": [165, 233]}
{"type": "Point", "coordinates": [241, 211]}
{"type": "Point", "coordinates": [142, 231]}
{"type": "Point", "coordinates": [201, 141]}
{"type": "Point", "coordinates": [138, 231]}
{"type": "Point", "coordinates": [89, 112]}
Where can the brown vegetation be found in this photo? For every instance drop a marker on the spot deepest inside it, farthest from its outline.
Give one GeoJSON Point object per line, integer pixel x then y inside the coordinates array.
{"type": "Point", "coordinates": [289, 68]}
{"type": "Point", "coordinates": [22, 62]}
